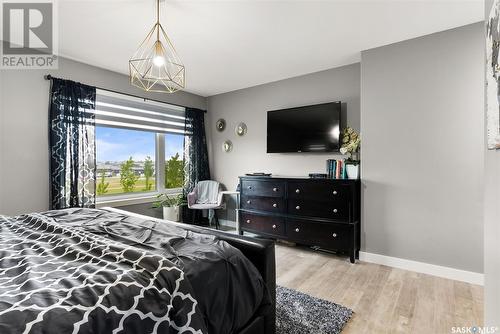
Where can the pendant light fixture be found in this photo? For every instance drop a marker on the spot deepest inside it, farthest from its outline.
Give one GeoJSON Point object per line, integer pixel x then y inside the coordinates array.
{"type": "Point", "coordinates": [155, 66]}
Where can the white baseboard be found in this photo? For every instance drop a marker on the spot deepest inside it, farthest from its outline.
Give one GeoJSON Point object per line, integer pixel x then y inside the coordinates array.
{"type": "Point", "coordinates": [419, 267]}
{"type": "Point", "coordinates": [424, 268]}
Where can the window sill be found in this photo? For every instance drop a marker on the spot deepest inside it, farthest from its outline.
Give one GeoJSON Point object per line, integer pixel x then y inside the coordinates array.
{"type": "Point", "coordinates": [118, 201]}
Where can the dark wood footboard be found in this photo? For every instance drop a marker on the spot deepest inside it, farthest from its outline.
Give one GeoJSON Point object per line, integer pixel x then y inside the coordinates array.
{"type": "Point", "coordinates": [260, 252]}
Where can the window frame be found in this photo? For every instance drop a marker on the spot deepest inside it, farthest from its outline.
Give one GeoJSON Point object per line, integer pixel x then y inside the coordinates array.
{"type": "Point", "coordinates": [145, 196]}
{"type": "Point", "coordinates": [160, 168]}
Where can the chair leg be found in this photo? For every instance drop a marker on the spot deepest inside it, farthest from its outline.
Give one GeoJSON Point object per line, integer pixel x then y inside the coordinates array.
{"type": "Point", "coordinates": [193, 216]}
{"type": "Point", "coordinates": [216, 220]}
{"type": "Point", "coordinates": [210, 217]}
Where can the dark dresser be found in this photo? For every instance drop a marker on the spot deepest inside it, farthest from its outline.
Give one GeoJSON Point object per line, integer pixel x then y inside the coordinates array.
{"type": "Point", "coordinates": [317, 212]}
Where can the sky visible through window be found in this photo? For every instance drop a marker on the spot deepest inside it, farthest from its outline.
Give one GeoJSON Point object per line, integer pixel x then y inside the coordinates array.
{"type": "Point", "coordinates": [119, 144]}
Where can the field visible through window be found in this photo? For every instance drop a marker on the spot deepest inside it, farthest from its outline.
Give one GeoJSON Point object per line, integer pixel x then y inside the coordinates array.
{"type": "Point", "coordinates": [125, 161]}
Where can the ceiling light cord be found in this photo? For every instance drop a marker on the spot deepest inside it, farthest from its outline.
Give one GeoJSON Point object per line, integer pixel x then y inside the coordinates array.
{"type": "Point", "coordinates": [158, 20]}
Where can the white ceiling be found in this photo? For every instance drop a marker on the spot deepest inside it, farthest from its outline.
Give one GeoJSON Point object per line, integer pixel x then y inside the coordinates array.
{"type": "Point", "coordinates": [229, 45]}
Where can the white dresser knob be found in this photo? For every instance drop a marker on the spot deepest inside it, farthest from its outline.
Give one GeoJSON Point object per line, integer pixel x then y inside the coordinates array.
{"type": "Point", "coordinates": [335, 192]}
{"type": "Point", "coordinates": [297, 229]}
{"type": "Point", "coordinates": [274, 226]}
{"type": "Point", "coordinates": [275, 189]}
{"type": "Point", "coordinates": [275, 205]}
{"type": "Point", "coordinates": [249, 201]}
{"type": "Point", "coordinates": [335, 210]}
{"type": "Point", "coordinates": [248, 221]}
{"type": "Point", "coordinates": [334, 235]}
{"type": "Point", "coordinates": [297, 207]}
{"type": "Point", "coordinates": [297, 191]}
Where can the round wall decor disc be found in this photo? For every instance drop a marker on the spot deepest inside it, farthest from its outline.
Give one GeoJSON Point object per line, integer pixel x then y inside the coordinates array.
{"type": "Point", "coordinates": [241, 129]}
{"type": "Point", "coordinates": [220, 125]}
{"type": "Point", "coordinates": [227, 146]}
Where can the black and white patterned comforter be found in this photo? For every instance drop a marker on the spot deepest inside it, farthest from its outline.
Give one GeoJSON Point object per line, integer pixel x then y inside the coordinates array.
{"type": "Point", "coordinates": [94, 271]}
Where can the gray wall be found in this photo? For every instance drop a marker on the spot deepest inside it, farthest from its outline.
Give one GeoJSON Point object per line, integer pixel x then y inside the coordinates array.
{"type": "Point", "coordinates": [491, 231]}
{"type": "Point", "coordinates": [423, 148]}
{"type": "Point", "coordinates": [422, 194]}
{"type": "Point", "coordinates": [492, 239]}
{"type": "Point", "coordinates": [2, 135]}
{"type": "Point", "coordinates": [24, 157]}
{"type": "Point", "coordinates": [251, 105]}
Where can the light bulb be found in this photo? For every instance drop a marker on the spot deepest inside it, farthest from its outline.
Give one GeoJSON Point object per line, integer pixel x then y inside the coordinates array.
{"type": "Point", "coordinates": [159, 61]}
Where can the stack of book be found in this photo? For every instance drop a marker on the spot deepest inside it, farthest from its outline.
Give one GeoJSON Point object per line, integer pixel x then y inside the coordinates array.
{"type": "Point", "coordinates": [336, 169]}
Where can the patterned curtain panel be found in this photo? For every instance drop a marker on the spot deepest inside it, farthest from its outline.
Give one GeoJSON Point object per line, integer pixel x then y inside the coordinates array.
{"type": "Point", "coordinates": [195, 149]}
{"type": "Point", "coordinates": [195, 155]}
{"type": "Point", "coordinates": [72, 145]}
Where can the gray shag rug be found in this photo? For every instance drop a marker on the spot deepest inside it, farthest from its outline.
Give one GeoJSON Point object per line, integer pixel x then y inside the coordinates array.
{"type": "Point", "coordinates": [298, 313]}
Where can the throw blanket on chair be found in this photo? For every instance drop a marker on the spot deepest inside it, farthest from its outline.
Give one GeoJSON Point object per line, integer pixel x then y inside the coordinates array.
{"type": "Point", "coordinates": [207, 192]}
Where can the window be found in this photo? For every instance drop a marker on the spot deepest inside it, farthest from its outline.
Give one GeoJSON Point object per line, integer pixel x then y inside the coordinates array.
{"type": "Point", "coordinates": [174, 165]}
{"type": "Point", "coordinates": [125, 161]}
{"type": "Point", "coordinates": [139, 146]}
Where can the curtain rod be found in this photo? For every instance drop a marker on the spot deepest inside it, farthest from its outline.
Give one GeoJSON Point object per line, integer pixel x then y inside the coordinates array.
{"type": "Point", "coordinates": [50, 77]}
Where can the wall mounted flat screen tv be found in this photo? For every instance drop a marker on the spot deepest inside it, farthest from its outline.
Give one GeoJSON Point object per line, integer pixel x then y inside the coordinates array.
{"type": "Point", "coordinates": [314, 128]}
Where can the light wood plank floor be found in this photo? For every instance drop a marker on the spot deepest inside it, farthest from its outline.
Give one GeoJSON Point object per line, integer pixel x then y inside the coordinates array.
{"type": "Point", "coordinates": [384, 299]}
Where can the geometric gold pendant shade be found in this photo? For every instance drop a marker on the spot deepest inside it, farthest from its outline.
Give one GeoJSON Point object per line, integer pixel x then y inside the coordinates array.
{"type": "Point", "coordinates": [155, 66]}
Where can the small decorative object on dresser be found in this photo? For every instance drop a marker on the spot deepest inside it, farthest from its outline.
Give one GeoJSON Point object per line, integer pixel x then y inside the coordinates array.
{"type": "Point", "coordinates": [171, 206]}
{"type": "Point", "coordinates": [315, 212]}
{"type": "Point", "coordinates": [258, 174]}
{"type": "Point", "coordinates": [318, 175]}
{"type": "Point", "coordinates": [351, 143]}
{"type": "Point", "coordinates": [352, 171]}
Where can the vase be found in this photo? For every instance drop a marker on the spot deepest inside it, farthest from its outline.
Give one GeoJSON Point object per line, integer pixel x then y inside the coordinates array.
{"type": "Point", "coordinates": [352, 171]}
{"type": "Point", "coordinates": [171, 213]}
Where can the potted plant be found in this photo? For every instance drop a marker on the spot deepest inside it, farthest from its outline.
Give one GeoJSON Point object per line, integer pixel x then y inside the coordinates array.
{"type": "Point", "coordinates": [351, 143]}
{"type": "Point", "coordinates": [171, 206]}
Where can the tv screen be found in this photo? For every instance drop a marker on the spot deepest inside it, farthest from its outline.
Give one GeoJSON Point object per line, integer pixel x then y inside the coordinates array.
{"type": "Point", "coordinates": [313, 128]}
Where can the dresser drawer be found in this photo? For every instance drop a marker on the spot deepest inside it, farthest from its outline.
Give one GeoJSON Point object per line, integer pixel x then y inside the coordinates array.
{"type": "Point", "coordinates": [330, 210]}
{"type": "Point", "coordinates": [270, 204]}
{"type": "Point", "coordinates": [264, 224]}
{"type": "Point", "coordinates": [331, 236]}
{"type": "Point", "coordinates": [262, 188]}
{"type": "Point", "coordinates": [318, 190]}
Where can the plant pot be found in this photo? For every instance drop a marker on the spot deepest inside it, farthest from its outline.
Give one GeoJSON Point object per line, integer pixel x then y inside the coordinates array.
{"type": "Point", "coordinates": [171, 213]}
{"type": "Point", "coordinates": [352, 171]}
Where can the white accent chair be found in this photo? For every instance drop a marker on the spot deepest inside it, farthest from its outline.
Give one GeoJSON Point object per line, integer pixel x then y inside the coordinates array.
{"type": "Point", "coordinates": [206, 195]}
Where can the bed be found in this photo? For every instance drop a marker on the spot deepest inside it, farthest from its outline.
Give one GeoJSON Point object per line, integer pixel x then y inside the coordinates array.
{"type": "Point", "coordinates": [110, 271]}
